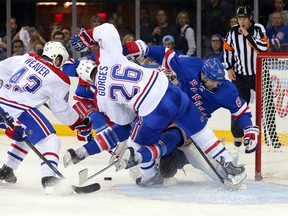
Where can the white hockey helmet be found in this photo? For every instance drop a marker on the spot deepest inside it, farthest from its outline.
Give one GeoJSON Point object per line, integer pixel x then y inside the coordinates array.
{"type": "Point", "coordinates": [53, 49]}
{"type": "Point", "coordinates": [85, 69]}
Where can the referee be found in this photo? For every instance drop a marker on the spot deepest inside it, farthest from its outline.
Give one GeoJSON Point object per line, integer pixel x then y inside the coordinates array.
{"type": "Point", "coordinates": [241, 46]}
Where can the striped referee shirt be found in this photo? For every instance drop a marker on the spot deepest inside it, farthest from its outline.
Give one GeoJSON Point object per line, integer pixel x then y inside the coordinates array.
{"type": "Point", "coordinates": [240, 51]}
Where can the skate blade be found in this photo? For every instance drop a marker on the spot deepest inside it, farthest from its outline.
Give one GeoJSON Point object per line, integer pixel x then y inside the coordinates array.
{"type": "Point", "coordinates": [238, 179]}
{"type": "Point", "coordinates": [169, 181]}
{"type": "Point", "coordinates": [67, 160]}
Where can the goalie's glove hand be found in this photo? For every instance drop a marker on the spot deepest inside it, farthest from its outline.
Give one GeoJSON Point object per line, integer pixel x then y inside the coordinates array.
{"type": "Point", "coordinates": [251, 138]}
{"type": "Point", "coordinates": [17, 132]}
{"type": "Point", "coordinates": [135, 49]}
{"type": "Point", "coordinates": [84, 131]}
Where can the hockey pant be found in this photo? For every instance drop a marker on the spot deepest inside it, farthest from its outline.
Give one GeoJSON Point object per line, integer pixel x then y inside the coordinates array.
{"type": "Point", "coordinates": [39, 132]}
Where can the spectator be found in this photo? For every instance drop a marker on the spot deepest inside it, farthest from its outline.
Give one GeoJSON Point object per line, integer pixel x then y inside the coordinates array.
{"type": "Point", "coordinates": [78, 27]}
{"type": "Point", "coordinates": [146, 26]}
{"type": "Point", "coordinates": [169, 42]}
{"type": "Point", "coordinates": [186, 36]}
{"type": "Point", "coordinates": [14, 30]}
{"type": "Point", "coordinates": [214, 21]}
{"type": "Point", "coordinates": [58, 36]}
{"type": "Point", "coordinates": [29, 36]}
{"type": "Point", "coordinates": [233, 21]}
{"type": "Point", "coordinates": [38, 48]}
{"type": "Point", "coordinates": [43, 32]}
{"type": "Point", "coordinates": [54, 27]}
{"type": "Point", "coordinates": [3, 38]}
{"type": "Point", "coordinates": [163, 27]}
{"type": "Point", "coordinates": [217, 48]}
{"type": "Point", "coordinates": [95, 21]}
{"type": "Point", "coordinates": [128, 37]}
{"type": "Point", "coordinates": [17, 47]}
{"type": "Point", "coordinates": [278, 33]}
{"type": "Point", "coordinates": [66, 41]}
{"type": "Point", "coordinates": [279, 6]}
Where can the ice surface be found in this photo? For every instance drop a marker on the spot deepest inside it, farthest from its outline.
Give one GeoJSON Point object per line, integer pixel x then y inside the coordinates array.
{"type": "Point", "coordinates": [195, 194]}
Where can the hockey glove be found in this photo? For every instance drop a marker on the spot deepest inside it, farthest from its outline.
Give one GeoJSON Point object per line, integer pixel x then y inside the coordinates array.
{"type": "Point", "coordinates": [17, 132]}
{"type": "Point", "coordinates": [135, 49]}
{"type": "Point", "coordinates": [84, 131]}
{"type": "Point", "coordinates": [81, 41]}
{"type": "Point", "coordinates": [251, 138]}
{"type": "Point", "coordinates": [77, 43]}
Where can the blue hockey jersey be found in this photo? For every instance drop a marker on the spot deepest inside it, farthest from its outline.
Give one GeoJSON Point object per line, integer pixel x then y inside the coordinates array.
{"type": "Point", "coordinates": [188, 70]}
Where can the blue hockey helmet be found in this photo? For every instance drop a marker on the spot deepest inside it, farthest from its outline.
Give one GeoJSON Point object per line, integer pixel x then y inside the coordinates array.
{"type": "Point", "coordinates": [214, 70]}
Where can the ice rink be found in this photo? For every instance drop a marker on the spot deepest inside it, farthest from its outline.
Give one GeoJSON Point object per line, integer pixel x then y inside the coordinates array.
{"type": "Point", "coordinates": [195, 194]}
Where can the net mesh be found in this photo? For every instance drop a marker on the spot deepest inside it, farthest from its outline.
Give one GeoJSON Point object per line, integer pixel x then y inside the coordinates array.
{"type": "Point", "coordinates": [274, 119]}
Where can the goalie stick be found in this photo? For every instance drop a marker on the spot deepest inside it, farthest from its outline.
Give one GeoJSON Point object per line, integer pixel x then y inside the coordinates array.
{"type": "Point", "coordinates": [80, 190]}
{"type": "Point", "coordinates": [232, 184]}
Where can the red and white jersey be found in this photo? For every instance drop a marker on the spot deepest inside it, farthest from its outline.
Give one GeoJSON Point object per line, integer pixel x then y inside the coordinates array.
{"type": "Point", "coordinates": [29, 81]}
{"type": "Point", "coordinates": [124, 89]}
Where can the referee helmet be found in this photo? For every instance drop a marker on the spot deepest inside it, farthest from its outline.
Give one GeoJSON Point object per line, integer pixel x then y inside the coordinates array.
{"type": "Point", "coordinates": [243, 11]}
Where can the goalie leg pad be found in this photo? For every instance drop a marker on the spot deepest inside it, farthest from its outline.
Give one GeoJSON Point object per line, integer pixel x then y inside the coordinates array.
{"type": "Point", "coordinates": [197, 161]}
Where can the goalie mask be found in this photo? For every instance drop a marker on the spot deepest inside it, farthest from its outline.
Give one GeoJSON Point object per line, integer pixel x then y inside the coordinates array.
{"type": "Point", "coordinates": [53, 49]}
{"type": "Point", "coordinates": [85, 69]}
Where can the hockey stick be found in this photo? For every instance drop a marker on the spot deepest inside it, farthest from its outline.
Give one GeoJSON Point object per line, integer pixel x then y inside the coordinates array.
{"type": "Point", "coordinates": [226, 182]}
{"type": "Point", "coordinates": [85, 189]}
{"type": "Point", "coordinates": [83, 174]}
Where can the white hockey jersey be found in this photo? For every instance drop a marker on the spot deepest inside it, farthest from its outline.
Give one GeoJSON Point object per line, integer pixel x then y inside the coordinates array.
{"type": "Point", "coordinates": [28, 82]}
{"type": "Point", "coordinates": [124, 89]}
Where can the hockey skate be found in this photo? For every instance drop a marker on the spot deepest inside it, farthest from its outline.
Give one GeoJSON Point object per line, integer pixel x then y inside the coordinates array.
{"type": "Point", "coordinates": [7, 174]}
{"type": "Point", "coordinates": [128, 159]}
{"type": "Point", "coordinates": [236, 174]}
{"type": "Point", "coordinates": [72, 157]}
{"type": "Point", "coordinates": [56, 186]}
{"type": "Point", "coordinates": [50, 181]}
{"type": "Point", "coordinates": [157, 179]}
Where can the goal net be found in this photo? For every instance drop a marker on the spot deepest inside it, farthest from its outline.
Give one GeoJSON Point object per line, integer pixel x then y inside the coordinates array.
{"type": "Point", "coordinates": [271, 114]}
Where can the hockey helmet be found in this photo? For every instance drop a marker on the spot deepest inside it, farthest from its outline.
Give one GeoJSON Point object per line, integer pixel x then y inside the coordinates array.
{"type": "Point", "coordinates": [243, 11]}
{"type": "Point", "coordinates": [53, 49]}
{"type": "Point", "coordinates": [85, 69]}
{"type": "Point", "coordinates": [213, 69]}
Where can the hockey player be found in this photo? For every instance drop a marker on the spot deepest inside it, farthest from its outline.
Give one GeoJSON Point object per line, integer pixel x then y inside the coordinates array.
{"type": "Point", "coordinates": [126, 91]}
{"type": "Point", "coordinates": [29, 81]}
{"type": "Point", "coordinates": [84, 101]}
{"type": "Point", "coordinates": [205, 84]}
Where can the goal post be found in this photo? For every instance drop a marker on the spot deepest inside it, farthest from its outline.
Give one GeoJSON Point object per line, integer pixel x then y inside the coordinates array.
{"type": "Point", "coordinates": [271, 104]}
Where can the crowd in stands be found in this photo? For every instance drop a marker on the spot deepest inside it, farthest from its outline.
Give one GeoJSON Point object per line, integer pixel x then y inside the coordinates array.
{"type": "Point", "coordinates": [217, 18]}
